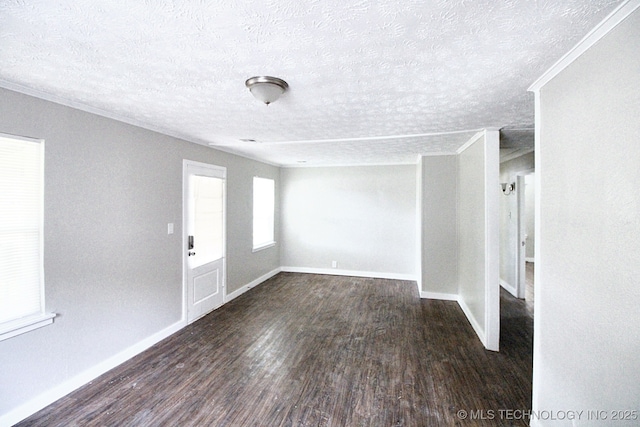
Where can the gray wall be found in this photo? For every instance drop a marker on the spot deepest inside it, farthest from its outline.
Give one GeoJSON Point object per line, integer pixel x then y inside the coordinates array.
{"type": "Point", "coordinates": [439, 234]}
{"type": "Point", "coordinates": [115, 276]}
{"type": "Point", "coordinates": [362, 217]}
{"type": "Point", "coordinates": [587, 332]}
{"type": "Point", "coordinates": [112, 273]}
{"type": "Point", "coordinates": [458, 210]}
{"type": "Point", "coordinates": [509, 218]}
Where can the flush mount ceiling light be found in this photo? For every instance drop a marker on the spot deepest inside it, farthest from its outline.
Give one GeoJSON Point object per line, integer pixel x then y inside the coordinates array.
{"type": "Point", "coordinates": [266, 89]}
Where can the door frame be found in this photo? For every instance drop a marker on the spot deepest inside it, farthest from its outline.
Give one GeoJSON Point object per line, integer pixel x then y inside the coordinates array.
{"type": "Point", "coordinates": [185, 206]}
{"type": "Point", "coordinates": [521, 282]}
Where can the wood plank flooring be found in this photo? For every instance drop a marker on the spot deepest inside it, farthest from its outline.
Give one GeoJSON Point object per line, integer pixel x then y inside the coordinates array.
{"type": "Point", "coordinates": [313, 350]}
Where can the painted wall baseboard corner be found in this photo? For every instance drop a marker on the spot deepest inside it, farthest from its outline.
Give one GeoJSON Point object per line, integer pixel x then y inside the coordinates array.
{"type": "Point", "coordinates": [48, 397]}
{"type": "Point", "coordinates": [235, 294]}
{"type": "Point", "coordinates": [353, 273]}
{"type": "Point", "coordinates": [474, 323]}
{"type": "Point", "coordinates": [438, 296]}
{"type": "Point", "coordinates": [509, 288]}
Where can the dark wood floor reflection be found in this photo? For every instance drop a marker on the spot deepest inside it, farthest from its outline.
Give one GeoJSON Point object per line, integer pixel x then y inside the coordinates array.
{"type": "Point", "coordinates": [312, 350]}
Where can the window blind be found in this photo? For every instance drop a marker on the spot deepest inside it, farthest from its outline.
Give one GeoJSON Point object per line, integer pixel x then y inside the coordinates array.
{"type": "Point", "coordinates": [21, 219]}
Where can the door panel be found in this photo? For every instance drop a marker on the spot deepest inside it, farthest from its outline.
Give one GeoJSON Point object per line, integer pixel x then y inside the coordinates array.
{"type": "Point", "coordinates": [204, 225]}
{"type": "Point", "coordinates": [206, 285]}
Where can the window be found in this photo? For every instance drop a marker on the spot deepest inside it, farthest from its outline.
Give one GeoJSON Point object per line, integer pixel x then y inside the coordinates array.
{"type": "Point", "coordinates": [21, 240]}
{"type": "Point", "coordinates": [263, 213]}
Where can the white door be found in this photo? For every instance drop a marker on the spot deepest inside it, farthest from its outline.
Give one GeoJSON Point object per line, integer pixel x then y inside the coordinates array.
{"type": "Point", "coordinates": [522, 239]}
{"type": "Point", "coordinates": [204, 237]}
{"type": "Point", "coordinates": [526, 227]}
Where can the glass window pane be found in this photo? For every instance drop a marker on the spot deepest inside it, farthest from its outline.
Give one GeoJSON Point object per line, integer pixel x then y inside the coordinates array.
{"type": "Point", "coordinates": [207, 198]}
{"type": "Point", "coordinates": [20, 228]}
{"type": "Point", "coordinates": [263, 211]}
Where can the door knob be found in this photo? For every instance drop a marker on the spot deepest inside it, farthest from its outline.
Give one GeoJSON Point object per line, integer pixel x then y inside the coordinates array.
{"type": "Point", "coordinates": [191, 253]}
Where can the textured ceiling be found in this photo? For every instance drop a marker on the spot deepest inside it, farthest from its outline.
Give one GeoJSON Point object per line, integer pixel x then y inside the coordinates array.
{"type": "Point", "coordinates": [370, 81]}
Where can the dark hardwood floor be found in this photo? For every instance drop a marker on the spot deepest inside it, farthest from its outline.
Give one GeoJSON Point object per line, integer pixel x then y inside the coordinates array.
{"type": "Point", "coordinates": [312, 350]}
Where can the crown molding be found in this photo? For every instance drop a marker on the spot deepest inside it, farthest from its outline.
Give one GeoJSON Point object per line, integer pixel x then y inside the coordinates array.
{"type": "Point", "coordinates": [602, 29]}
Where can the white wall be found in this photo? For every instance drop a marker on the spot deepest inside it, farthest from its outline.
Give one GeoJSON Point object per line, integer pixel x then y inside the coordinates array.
{"type": "Point", "coordinates": [478, 235]}
{"type": "Point", "coordinates": [471, 232]}
{"type": "Point", "coordinates": [439, 233]}
{"type": "Point", "coordinates": [587, 330]}
{"type": "Point", "coordinates": [362, 217]}
{"type": "Point", "coordinates": [112, 273]}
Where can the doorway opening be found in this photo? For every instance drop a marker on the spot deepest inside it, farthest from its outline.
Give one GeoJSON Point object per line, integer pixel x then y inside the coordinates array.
{"type": "Point", "coordinates": [526, 237]}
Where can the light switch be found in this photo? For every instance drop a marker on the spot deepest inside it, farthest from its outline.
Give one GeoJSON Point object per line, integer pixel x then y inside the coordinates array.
{"type": "Point", "coordinates": [170, 228]}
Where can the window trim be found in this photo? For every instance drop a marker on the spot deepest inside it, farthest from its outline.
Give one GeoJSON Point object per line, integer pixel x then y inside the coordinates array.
{"type": "Point", "coordinates": [25, 324]}
{"type": "Point", "coordinates": [28, 323]}
{"type": "Point", "coordinates": [263, 246]}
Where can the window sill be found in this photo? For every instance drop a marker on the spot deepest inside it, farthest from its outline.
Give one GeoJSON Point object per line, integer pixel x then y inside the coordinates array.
{"type": "Point", "coordinates": [263, 246]}
{"type": "Point", "coordinates": [26, 324]}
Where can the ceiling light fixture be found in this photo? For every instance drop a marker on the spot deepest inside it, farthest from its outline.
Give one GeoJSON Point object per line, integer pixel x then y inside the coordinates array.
{"type": "Point", "coordinates": [267, 89]}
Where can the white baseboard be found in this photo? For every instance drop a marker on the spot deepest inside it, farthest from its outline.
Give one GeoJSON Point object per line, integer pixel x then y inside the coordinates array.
{"type": "Point", "coordinates": [235, 294]}
{"type": "Point", "coordinates": [48, 397]}
{"type": "Point", "coordinates": [509, 288]}
{"type": "Point", "coordinates": [431, 295]}
{"type": "Point", "coordinates": [354, 273]}
{"type": "Point", "coordinates": [439, 296]}
{"type": "Point", "coordinates": [474, 323]}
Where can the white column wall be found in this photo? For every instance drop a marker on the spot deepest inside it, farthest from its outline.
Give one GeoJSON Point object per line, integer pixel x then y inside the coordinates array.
{"type": "Point", "coordinates": [587, 321]}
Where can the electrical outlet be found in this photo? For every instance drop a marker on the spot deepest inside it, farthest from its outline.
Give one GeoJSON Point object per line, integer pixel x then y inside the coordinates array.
{"type": "Point", "coordinates": [170, 228]}
{"type": "Point", "coordinates": [334, 264]}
